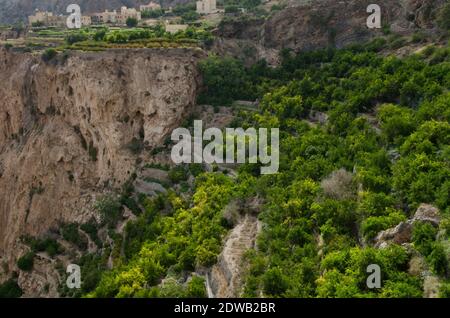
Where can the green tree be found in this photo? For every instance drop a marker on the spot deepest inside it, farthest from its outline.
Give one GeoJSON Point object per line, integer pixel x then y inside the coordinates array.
{"type": "Point", "coordinates": [444, 17]}
{"type": "Point", "coordinates": [131, 22]}
{"type": "Point", "coordinates": [10, 289]}
{"type": "Point", "coordinates": [26, 262]}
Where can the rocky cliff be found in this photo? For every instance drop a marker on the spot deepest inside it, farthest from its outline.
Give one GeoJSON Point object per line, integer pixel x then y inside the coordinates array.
{"type": "Point", "coordinates": [68, 127]}
{"type": "Point", "coordinates": [319, 24]}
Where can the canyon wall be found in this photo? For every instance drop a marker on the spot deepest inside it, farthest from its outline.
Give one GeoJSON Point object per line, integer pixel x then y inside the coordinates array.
{"type": "Point", "coordinates": [68, 128]}
{"type": "Point", "coordinates": [319, 24]}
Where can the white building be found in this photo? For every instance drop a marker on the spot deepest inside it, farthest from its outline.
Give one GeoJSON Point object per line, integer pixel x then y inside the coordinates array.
{"type": "Point", "coordinates": [206, 6]}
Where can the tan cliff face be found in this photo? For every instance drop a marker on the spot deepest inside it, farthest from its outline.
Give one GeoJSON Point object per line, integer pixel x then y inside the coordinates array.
{"type": "Point", "coordinates": [66, 126]}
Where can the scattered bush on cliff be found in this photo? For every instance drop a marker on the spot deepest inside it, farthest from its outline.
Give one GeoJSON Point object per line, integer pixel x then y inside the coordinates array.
{"type": "Point", "coordinates": [49, 245]}
{"type": "Point", "coordinates": [110, 210]}
{"type": "Point", "coordinates": [49, 54]}
{"type": "Point", "coordinates": [10, 289]}
{"type": "Point", "coordinates": [26, 261]}
{"type": "Point", "coordinates": [71, 234]}
{"type": "Point", "coordinates": [76, 37]}
{"type": "Point", "coordinates": [444, 17]}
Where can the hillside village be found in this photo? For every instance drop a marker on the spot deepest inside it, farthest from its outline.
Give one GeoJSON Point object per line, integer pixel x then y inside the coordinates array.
{"type": "Point", "coordinates": [145, 15]}
{"type": "Point", "coordinates": [151, 25]}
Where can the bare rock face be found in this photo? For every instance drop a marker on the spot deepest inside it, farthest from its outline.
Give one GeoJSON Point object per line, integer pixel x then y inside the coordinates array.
{"type": "Point", "coordinates": [224, 278]}
{"type": "Point", "coordinates": [398, 235]}
{"type": "Point", "coordinates": [66, 126]}
{"type": "Point", "coordinates": [427, 213]}
{"type": "Point", "coordinates": [322, 23]}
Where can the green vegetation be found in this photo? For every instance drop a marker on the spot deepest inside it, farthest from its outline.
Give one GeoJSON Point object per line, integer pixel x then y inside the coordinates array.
{"type": "Point", "coordinates": [102, 38]}
{"type": "Point", "coordinates": [110, 210]}
{"type": "Point", "coordinates": [382, 151]}
{"type": "Point", "coordinates": [132, 22]}
{"type": "Point", "coordinates": [10, 289]}
{"type": "Point", "coordinates": [26, 261]}
{"type": "Point", "coordinates": [444, 17]}
{"type": "Point", "coordinates": [231, 9]}
{"type": "Point", "coordinates": [189, 235]}
{"type": "Point", "coordinates": [190, 16]}
{"type": "Point", "coordinates": [49, 54]}
{"type": "Point", "coordinates": [71, 234]}
{"type": "Point", "coordinates": [92, 266]}
{"type": "Point", "coordinates": [399, 161]}
{"type": "Point", "coordinates": [178, 174]}
{"type": "Point", "coordinates": [48, 245]}
{"type": "Point", "coordinates": [226, 80]}
{"type": "Point", "coordinates": [152, 14]}
{"type": "Point", "coordinates": [181, 9]}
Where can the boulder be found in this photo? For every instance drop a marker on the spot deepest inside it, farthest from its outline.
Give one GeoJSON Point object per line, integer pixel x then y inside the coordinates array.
{"type": "Point", "coordinates": [148, 188]}
{"type": "Point", "coordinates": [427, 213]}
{"type": "Point", "coordinates": [399, 235]}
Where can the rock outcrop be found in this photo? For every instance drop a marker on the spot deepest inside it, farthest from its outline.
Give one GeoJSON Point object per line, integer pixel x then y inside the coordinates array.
{"type": "Point", "coordinates": [224, 279]}
{"type": "Point", "coordinates": [70, 128]}
{"type": "Point", "coordinates": [401, 233]}
{"type": "Point", "coordinates": [398, 235]}
{"type": "Point", "coordinates": [427, 213]}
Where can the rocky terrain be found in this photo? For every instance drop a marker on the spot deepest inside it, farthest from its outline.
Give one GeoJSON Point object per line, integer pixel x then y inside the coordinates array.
{"type": "Point", "coordinates": [71, 127]}
{"type": "Point", "coordinates": [224, 279]}
{"type": "Point", "coordinates": [319, 24]}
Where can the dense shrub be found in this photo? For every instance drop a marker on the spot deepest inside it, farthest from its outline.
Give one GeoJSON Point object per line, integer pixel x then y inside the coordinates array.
{"type": "Point", "coordinates": [110, 210]}
{"type": "Point", "coordinates": [444, 17]}
{"type": "Point", "coordinates": [49, 54]}
{"type": "Point", "coordinates": [10, 289]}
{"type": "Point", "coordinates": [26, 261]}
{"type": "Point", "coordinates": [131, 22]}
{"type": "Point", "coordinates": [71, 234]}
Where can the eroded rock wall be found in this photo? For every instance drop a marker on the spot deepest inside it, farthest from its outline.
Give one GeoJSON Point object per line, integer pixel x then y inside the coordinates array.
{"type": "Point", "coordinates": [319, 24]}
{"type": "Point", "coordinates": [66, 127]}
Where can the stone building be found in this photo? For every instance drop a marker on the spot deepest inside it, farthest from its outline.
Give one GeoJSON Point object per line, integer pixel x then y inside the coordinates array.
{"type": "Point", "coordinates": [114, 17]}
{"type": "Point", "coordinates": [86, 20]}
{"type": "Point", "coordinates": [126, 13]}
{"type": "Point", "coordinates": [206, 6]}
{"type": "Point", "coordinates": [46, 19]}
{"type": "Point", "coordinates": [104, 17]}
